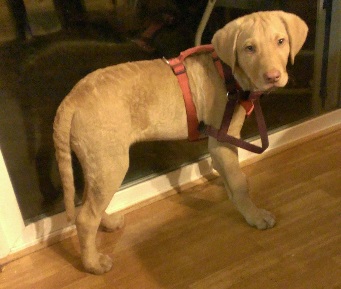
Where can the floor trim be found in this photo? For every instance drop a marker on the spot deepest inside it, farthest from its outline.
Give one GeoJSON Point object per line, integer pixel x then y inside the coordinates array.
{"type": "Point", "coordinates": [53, 229]}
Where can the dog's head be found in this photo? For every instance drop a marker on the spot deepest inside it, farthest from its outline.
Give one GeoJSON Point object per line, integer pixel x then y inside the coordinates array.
{"type": "Point", "coordinates": [257, 47]}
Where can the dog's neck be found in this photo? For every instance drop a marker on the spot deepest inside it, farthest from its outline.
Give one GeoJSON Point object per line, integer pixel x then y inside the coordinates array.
{"type": "Point", "coordinates": [208, 89]}
{"type": "Point", "coordinates": [243, 79]}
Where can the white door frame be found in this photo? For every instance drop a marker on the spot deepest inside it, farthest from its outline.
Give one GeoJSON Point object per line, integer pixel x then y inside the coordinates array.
{"type": "Point", "coordinates": [333, 77]}
{"type": "Point", "coordinates": [334, 59]}
{"type": "Point", "coordinates": [11, 221]}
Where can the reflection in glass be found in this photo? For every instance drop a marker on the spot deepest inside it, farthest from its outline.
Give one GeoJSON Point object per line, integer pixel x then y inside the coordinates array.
{"type": "Point", "coordinates": [47, 46]}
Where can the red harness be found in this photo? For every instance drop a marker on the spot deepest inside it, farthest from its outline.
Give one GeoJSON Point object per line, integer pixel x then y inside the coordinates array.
{"type": "Point", "coordinates": [236, 96]}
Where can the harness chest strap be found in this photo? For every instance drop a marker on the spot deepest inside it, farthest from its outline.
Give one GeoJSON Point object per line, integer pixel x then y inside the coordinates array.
{"type": "Point", "coordinates": [179, 70]}
{"type": "Point", "coordinates": [222, 135]}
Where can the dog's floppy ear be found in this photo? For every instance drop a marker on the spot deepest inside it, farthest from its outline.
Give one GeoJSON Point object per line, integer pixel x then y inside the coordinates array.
{"type": "Point", "coordinates": [225, 41]}
{"type": "Point", "coordinates": [297, 31]}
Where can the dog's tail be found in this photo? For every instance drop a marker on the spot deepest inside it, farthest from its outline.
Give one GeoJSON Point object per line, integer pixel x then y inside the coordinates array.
{"type": "Point", "coordinates": [61, 137]}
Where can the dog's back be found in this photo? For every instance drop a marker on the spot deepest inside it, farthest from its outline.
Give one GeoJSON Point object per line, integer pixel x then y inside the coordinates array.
{"type": "Point", "coordinates": [117, 105]}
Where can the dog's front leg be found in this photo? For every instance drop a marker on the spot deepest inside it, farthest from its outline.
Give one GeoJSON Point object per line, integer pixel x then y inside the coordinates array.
{"type": "Point", "coordinates": [225, 161]}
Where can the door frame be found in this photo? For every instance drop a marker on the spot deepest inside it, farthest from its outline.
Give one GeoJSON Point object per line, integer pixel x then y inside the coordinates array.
{"type": "Point", "coordinates": [11, 221]}
{"type": "Point", "coordinates": [333, 98]}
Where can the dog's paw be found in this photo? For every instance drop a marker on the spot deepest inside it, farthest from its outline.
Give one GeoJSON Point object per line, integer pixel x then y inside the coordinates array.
{"type": "Point", "coordinates": [112, 222]}
{"type": "Point", "coordinates": [101, 265]}
{"type": "Point", "coordinates": [262, 219]}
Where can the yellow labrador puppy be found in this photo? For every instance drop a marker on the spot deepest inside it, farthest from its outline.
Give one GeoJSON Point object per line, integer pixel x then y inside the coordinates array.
{"type": "Point", "coordinates": [114, 107]}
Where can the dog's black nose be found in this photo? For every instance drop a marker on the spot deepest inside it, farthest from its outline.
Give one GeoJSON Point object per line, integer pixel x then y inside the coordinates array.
{"type": "Point", "coordinates": [272, 76]}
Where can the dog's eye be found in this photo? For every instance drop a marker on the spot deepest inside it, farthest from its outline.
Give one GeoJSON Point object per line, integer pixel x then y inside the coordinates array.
{"type": "Point", "coordinates": [250, 48]}
{"type": "Point", "coordinates": [280, 41]}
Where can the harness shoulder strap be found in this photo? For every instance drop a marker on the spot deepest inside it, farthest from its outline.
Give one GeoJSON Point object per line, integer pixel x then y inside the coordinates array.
{"type": "Point", "coordinates": [191, 112]}
{"type": "Point", "coordinates": [179, 70]}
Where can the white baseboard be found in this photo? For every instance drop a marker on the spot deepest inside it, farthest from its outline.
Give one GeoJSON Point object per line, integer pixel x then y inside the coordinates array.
{"type": "Point", "coordinates": [50, 228]}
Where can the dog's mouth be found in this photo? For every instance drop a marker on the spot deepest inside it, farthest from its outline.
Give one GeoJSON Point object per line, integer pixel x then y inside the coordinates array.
{"type": "Point", "coordinates": [271, 89]}
{"type": "Point", "coordinates": [268, 87]}
{"type": "Point", "coordinates": [265, 88]}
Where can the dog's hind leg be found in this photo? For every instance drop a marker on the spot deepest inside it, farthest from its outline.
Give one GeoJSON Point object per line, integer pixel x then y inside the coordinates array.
{"type": "Point", "coordinates": [112, 222]}
{"type": "Point", "coordinates": [225, 160]}
{"type": "Point", "coordinates": [102, 179]}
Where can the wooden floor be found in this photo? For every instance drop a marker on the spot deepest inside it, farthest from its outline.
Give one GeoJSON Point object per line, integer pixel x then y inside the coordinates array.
{"type": "Point", "coordinates": [196, 239]}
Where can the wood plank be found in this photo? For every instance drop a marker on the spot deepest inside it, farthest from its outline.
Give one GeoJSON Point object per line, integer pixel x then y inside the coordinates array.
{"type": "Point", "coordinates": [196, 238]}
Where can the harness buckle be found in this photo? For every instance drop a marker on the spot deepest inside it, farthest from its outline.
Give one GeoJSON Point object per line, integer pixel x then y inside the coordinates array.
{"type": "Point", "coordinates": [176, 64]}
{"type": "Point", "coordinates": [179, 69]}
